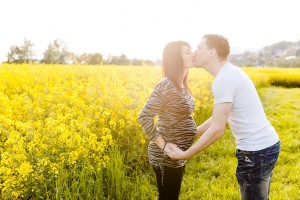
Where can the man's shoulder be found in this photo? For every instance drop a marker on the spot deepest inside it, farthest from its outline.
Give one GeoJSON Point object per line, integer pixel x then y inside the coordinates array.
{"type": "Point", "coordinates": [232, 67]}
{"type": "Point", "coordinates": [231, 72]}
{"type": "Point", "coordinates": [228, 77]}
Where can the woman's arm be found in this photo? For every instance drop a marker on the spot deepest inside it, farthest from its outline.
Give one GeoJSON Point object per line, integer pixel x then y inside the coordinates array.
{"type": "Point", "coordinates": [147, 114]}
{"type": "Point", "coordinates": [160, 142]}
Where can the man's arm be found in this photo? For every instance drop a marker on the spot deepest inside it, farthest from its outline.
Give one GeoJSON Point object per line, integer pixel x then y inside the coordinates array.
{"type": "Point", "coordinates": [214, 132]}
{"type": "Point", "coordinates": [203, 127]}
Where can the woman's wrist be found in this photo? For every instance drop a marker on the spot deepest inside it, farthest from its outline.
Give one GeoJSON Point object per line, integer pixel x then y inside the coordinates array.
{"type": "Point", "coordinates": [163, 149]}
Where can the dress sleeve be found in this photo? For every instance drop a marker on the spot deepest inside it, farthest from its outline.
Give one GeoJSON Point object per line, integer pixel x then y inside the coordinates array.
{"type": "Point", "coordinates": [150, 110]}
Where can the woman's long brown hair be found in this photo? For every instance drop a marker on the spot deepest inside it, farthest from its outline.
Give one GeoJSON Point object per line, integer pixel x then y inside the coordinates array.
{"type": "Point", "coordinates": [172, 64]}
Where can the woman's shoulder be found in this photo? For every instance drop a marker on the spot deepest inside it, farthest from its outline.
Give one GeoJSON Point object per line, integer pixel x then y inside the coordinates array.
{"type": "Point", "coordinates": [165, 81]}
{"type": "Point", "coordinates": [164, 84]}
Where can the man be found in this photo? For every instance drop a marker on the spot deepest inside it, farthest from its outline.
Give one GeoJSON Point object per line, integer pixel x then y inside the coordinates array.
{"type": "Point", "coordinates": [236, 101]}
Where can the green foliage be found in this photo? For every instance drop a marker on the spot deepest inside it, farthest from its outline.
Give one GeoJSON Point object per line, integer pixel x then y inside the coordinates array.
{"type": "Point", "coordinates": [21, 54]}
{"type": "Point", "coordinates": [298, 52]}
{"type": "Point", "coordinates": [285, 81]}
{"type": "Point", "coordinates": [119, 60]}
{"type": "Point", "coordinates": [90, 59]}
{"type": "Point", "coordinates": [115, 181]}
{"type": "Point", "coordinates": [289, 78]}
{"type": "Point", "coordinates": [142, 62]}
{"type": "Point", "coordinates": [56, 53]}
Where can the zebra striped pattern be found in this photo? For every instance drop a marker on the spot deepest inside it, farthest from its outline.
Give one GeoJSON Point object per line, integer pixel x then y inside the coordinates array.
{"type": "Point", "coordinates": [175, 123]}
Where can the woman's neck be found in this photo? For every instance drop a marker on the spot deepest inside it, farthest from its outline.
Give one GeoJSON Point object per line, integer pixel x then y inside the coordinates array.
{"type": "Point", "coordinates": [183, 75]}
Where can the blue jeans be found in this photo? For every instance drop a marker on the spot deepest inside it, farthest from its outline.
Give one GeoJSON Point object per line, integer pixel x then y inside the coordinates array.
{"type": "Point", "coordinates": [254, 172]}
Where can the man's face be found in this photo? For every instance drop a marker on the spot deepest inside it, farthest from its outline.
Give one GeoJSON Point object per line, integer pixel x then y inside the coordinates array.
{"type": "Point", "coordinates": [202, 54]}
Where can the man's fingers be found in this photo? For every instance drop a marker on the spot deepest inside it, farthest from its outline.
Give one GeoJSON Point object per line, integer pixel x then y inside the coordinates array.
{"type": "Point", "coordinates": [172, 146]}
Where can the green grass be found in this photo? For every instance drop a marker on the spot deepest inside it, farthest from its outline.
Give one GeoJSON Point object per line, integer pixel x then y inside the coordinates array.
{"type": "Point", "coordinates": [211, 173]}
{"type": "Point", "coordinates": [283, 109]}
{"type": "Point", "coordinates": [115, 181]}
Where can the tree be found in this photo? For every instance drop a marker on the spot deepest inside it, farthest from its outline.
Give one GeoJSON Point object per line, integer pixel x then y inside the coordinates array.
{"type": "Point", "coordinates": [13, 55]}
{"type": "Point", "coordinates": [72, 57]}
{"type": "Point", "coordinates": [250, 58]}
{"type": "Point", "coordinates": [83, 59]}
{"type": "Point", "coordinates": [296, 62]}
{"type": "Point", "coordinates": [22, 54]}
{"type": "Point", "coordinates": [142, 62]}
{"type": "Point", "coordinates": [26, 51]}
{"type": "Point", "coordinates": [136, 62]}
{"type": "Point", "coordinates": [95, 59]}
{"type": "Point", "coordinates": [297, 52]}
{"type": "Point", "coordinates": [57, 53]}
{"type": "Point", "coordinates": [148, 63]}
{"type": "Point", "coordinates": [90, 59]}
{"type": "Point", "coordinates": [120, 60]}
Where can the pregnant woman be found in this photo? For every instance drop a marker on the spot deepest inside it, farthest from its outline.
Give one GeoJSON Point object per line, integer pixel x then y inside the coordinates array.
{"type": "Point", "coordinates": [173, 103]}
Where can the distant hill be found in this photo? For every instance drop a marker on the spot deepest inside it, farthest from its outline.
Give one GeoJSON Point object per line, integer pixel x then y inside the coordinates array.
{"type": "Point", "coordinates": [281, 54]}
{"type": "Point", "coordinates": [238, 50]}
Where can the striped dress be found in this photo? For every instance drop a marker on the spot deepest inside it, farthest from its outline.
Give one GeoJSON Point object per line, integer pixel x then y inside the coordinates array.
{"type": "Point", "coordinates": [175, 123]}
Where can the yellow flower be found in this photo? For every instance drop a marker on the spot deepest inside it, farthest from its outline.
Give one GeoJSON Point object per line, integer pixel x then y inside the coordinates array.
{"type": "Point", "coordinates": [25, 169]}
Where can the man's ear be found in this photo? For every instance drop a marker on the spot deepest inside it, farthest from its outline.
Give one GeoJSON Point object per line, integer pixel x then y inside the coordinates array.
{"type": "Point", "coordinates": [212, 52]}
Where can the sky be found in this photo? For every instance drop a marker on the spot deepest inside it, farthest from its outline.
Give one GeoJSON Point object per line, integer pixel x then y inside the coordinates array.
{"type": "Point", "coordinates": [141, 28]}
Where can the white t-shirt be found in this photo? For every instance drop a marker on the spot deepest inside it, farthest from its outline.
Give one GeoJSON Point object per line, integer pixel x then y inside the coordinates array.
{"type": "Point", "coordinates": [247, 119]}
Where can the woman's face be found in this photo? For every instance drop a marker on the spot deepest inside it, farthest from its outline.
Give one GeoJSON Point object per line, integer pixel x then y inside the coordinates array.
{"type": "Point", "coordinates": [187, 57]}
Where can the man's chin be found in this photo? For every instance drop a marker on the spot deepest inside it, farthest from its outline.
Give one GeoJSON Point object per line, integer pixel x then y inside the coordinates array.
{"type": "Point", "coordinates": [190, 67]}
{"type": "Point", "coordinates": [198, 66]}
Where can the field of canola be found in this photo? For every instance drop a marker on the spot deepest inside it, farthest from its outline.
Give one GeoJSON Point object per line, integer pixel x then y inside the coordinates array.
{"type": "Point", "coordinates": [71, 132]}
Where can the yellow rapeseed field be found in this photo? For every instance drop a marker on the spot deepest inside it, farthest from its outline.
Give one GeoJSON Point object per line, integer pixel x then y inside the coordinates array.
{"type": "Point", "coordinates": [56, 117]}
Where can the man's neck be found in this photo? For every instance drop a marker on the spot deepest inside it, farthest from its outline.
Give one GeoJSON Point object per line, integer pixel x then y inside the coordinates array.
{"type": "Point", "coordinates": [214, 67]}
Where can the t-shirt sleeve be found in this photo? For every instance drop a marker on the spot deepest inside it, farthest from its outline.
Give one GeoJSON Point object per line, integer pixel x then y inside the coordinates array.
{"type": "Point", "coordinates": [223, 90]}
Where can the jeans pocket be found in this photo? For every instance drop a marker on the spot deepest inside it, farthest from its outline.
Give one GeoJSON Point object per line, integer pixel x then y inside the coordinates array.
{"type": "Point", "coordinates": [267, 163]}
{"type": "Point", "coordinates": [267, 170]}
{"type": "Point", "coordinates": [244, 161]}
{"type": "Point", "coordinates": [269, 159]}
